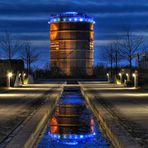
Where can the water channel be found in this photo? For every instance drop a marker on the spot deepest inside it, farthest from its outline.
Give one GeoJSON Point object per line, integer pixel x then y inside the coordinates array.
{"type": "Point", "coordinates": [72, 125]}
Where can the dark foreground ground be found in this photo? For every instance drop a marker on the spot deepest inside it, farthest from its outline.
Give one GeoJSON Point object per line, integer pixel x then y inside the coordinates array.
{"type": "Point", "coordinates": [127, 105]}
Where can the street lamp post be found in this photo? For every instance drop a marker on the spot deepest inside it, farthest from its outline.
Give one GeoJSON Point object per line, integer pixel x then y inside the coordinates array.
{"type": "Point", "coordinates": [24, 75]}
{"type": "Point", "coordinates": [120, 74]}
{"type": "Point", "coordinates": [108, 77]}
{"type": "Point", "coordinates": [135, 76]}
{"type": "Point", "coordinates": [9, 75]}
{"type": "Point", "coordinates": [127, 75]}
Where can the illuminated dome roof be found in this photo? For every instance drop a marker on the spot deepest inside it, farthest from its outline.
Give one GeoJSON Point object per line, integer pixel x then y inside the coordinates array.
{"type": "Point", "coordinates": [71, 17]}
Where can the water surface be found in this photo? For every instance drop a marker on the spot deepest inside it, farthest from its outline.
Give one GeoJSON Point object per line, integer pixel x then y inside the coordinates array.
{"type": "Point", "coordinates": [72, 125]}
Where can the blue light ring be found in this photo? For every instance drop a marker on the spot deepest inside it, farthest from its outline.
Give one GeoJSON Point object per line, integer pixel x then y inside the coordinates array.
{"type": "Point", "coordinates": [49, 22]}
{"type": "Point", "coordinates": [71, 17]}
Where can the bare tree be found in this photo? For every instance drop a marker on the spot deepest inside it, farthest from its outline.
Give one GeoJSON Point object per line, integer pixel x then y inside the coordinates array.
{"type": "Point", "coordinates": [117, 54]}
{"type": "Point", "coordinates": [47, 67]}
{"type": "Point", "coordinates": [112, 54]}
{"type": "Point", "coordinates": [9, 45]}
{"type": "Point", "coordinates": [107, 54]}
{"type": "Point", "coordinates": [130, 45]}
{"type": "Point", "coordinates": [29, 55]}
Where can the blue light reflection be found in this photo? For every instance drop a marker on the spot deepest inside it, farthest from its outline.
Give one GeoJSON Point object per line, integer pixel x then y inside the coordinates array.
{"type": "Point", "coordinates": [72, 125]}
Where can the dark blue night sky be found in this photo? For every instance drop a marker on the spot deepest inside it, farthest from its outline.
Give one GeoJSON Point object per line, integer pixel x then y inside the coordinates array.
{"type": "Point", "coordinates": [27, 19]}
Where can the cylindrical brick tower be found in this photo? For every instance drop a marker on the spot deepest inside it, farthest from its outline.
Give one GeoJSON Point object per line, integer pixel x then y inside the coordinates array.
{"type": "Point", "coordinates": [72, 43]}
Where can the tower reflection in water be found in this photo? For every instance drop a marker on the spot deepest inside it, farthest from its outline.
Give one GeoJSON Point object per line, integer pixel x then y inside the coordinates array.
{"type": "Point", "coordinates": [72, 124]}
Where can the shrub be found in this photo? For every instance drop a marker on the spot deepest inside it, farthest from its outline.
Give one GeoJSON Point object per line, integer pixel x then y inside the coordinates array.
{"type": "Point", "coordinates": [118, 82]}
{"type": "Point", "coordinates": [129, 83]}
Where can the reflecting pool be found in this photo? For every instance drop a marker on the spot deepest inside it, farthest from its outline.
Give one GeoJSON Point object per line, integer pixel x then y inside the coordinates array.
{"type": "Point", "coordinates": [72, 125]}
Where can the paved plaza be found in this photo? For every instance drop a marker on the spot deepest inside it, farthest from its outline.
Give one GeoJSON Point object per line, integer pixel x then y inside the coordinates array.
{"type": "Point", "coordinates": [17, 104]}
{"type": "Point", "coordinates": [127, 105]}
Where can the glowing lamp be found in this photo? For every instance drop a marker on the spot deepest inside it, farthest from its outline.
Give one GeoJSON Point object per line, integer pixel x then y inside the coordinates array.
{"type": "Point", "coordinates": [10, 75]}
{"type": "Point", "coordinates": [134, 75]}
{"type": "Point", "coordinates": [75, 19]}
{"type": "Point", "coordinates": [64, 19]}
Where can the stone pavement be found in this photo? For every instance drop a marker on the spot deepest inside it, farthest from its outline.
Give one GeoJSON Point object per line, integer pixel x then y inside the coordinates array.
{"type": "Point", "coordinates": [17, 104]}
{"type": "Point", "coordinates": [128, 106]}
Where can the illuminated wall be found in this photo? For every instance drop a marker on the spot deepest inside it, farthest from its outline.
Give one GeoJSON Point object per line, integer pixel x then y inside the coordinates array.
{"type": "Point", "coordinates": [72, 42]}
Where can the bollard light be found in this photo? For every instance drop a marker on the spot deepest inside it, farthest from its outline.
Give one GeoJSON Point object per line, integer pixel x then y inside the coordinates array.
{"type": "Point", "coordinates": [108, 77]}
{"type": "Point", "coordinates": [9, 75]}
{"type": "Point", "coordinates": [127, 75]}
{"type": "Point", "coordinates": [24, 75]}
{"type": "Point", "coordinates": [120, 77]}
{"type": "Point", "coordinates": [135, 76]}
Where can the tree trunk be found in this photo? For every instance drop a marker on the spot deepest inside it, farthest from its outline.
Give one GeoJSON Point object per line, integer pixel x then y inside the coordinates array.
{"type": "Point", "coordinates": [111, 65]}
{"type": "Point", "coordinates": [29, 63]}
{"type": "Point", "coordinates": [130, 66]}
{"type": "Point", "coordinates": [116, 60]}
{"type": "Point", "coordinates": [27, 68]}
{"type": "Point", "coordinates": [9, 53]}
